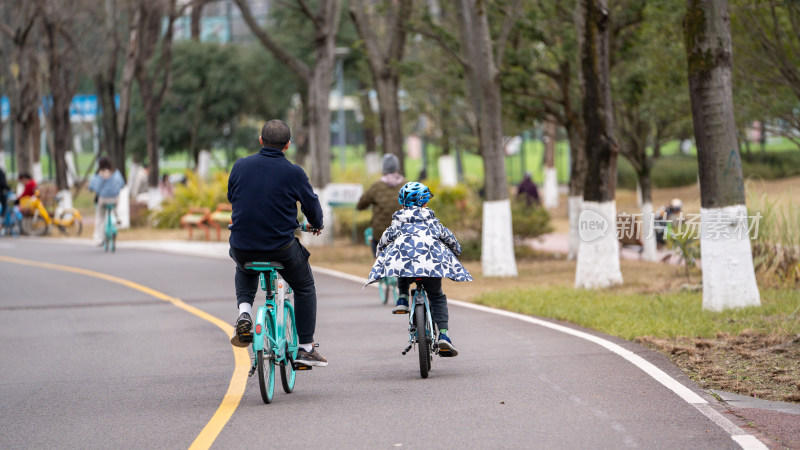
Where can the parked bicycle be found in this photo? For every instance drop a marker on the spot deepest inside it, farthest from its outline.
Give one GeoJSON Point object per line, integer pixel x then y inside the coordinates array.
{"type": "Point", "coordinates": [387, 286]}
{"type": "Point", "coordinates": [421, 329]}
{"type": "Point", "coordinates": [36, 219]}
{"type": "Point", "coordinates": [110, 234]}
{"type": "Point", "coordinates": [12, 217]}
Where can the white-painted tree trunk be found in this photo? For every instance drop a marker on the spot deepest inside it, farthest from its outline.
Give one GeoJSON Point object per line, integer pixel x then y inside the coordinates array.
{"type": "Point", "coordinates": [574, 204]}
{"type": "Point", "coordinates": [550, 200]}
{"type": "Point", "coordinates": [448, 175]}
{"type": "Point", "coordinates": [598, 253]}
{"type": "Point", "coordinates": [3, 162]}
{"type": "Point", "coordinates": [729, 282]}
{"type": "Point", "coordinates": [639, 196]}
{"type": "Point", "coordinates": [497, 245]}
{"type": "Point", "coordinates": [95, 138]}
{"type": "Point", "coordinates": [326, 237]}
{"type": "Point", "coordinates": [648, 234]}
{"type": "Point", "coordinates": [37, 172]}
{"type": "Point", "coordinates": [204, 164]}
{"type": "Point", "coordinates": [64, 198]}
{"type": "Point", "coordinates": [124, 208]}
{"type": "Point", "coordinates": [373, 163]}
{"type": "Point", "coordinates": [77, 143]}
{"type": "Point", "coordinates": [72, 174]}
{"type": "Point", "coordinates": [154, 199]}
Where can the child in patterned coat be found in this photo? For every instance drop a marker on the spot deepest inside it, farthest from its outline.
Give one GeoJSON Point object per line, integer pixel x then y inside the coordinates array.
{"type": "Point", "coordinates": [418, 246]}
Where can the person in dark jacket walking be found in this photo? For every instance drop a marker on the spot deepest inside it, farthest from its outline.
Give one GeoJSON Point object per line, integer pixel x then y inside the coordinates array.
{"type": "Point", "coordinates": [264, 189]}
{"type": "Point", "coordinates": [382, 196]}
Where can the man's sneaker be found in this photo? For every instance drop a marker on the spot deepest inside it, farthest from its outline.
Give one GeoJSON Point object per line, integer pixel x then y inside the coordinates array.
{"type": "Point", "coordinates": [446, 347]}
{"type": "Point", "coordinates": [312, 358]}
{"type": "Point", "coordinates": [244, 331]}
{"type": "Point", "coordinates": [401, 307]}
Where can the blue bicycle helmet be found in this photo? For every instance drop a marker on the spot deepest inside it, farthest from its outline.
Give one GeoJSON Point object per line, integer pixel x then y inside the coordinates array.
{"type": "Point", "coordinates": [414, 194]}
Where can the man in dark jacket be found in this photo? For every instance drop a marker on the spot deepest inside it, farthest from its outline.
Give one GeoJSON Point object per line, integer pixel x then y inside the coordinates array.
{"type": "Point", "coordinates": [264, 189]}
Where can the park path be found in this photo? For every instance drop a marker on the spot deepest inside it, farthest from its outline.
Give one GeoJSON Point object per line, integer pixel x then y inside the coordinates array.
{"type": "Point", "coordinates": [107, 366]}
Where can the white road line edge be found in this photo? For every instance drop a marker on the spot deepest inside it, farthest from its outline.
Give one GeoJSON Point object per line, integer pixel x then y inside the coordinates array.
{"type": "Point", "coordinates": [746, 441]}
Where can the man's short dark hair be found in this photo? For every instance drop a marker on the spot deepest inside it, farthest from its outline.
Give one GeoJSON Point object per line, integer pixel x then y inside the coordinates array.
{"type": "Point", "coordinates": [275, 134]}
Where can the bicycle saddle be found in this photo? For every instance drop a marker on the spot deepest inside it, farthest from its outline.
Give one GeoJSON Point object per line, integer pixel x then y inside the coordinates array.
{"type": "Point", "coordinates": [263, 265]}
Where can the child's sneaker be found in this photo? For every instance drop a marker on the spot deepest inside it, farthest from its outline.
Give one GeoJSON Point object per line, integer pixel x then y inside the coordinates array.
{"type": "Point", "coordinates": [446, 347]}
{"type": "Point", "coordinates": [401, 307]}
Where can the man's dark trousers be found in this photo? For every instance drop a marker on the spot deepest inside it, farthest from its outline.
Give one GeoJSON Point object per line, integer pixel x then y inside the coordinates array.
{"type": "Point", "coordinates": [296, 271]}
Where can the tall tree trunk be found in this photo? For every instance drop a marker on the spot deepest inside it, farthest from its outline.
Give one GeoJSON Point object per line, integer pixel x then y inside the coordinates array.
{"type": "Point", "coordinates": [384, 68]}
{"type": "Point", "coordinates": [550, 185]}
{"type": "Point", "coordinates": [22, 76]}
{"type": "Point", "coordinates": [598, 254]}
{"type": "Point", "coordinates": [317, 79]}
{"type": "Point", "coordinates": [62, 88]}
{"type": "Point", "coordinates": [483, 79]}
{"type": "Point", "coordinates": [149, 73]}
{"type": "Point", "coordinates": [728, 275]}
{"type": "Point", "coordinates": [371, 159]}
{"type": "Point", "coordinates": [196, 17]}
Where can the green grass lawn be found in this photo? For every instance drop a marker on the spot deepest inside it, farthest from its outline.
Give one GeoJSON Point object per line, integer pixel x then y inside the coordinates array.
{"type": "Point", "coordinates": [631, 315]}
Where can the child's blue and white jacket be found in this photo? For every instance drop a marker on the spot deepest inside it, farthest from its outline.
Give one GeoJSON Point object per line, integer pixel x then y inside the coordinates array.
{"type": "Point", "coordinates": [418, 245]}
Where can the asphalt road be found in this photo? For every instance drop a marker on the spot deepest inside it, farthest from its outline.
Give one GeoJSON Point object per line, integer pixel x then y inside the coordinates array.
{"type": "Point", "coordinates": [91, 363]}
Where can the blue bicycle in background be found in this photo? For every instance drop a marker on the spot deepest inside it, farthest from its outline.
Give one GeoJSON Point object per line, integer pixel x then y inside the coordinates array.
{"type": "Point", "coordinates": [387, 287]}
{"type": "Point", "coordinates": [11, 215]}
{"type": "Point", "coordinates": [110, 233]}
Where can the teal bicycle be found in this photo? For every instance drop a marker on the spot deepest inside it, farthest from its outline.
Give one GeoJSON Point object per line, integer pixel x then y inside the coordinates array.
{"type": "Point", "coordinates": [275, 340]}
{"type": "Point", "coordinates": [421, 329]}
{"type": "Point", "coordinates": [387, 286]}
{"type": "Point", "coordinates": [110, 234]}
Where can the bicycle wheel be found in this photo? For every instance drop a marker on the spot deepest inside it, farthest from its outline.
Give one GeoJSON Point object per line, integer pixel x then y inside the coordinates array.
{"type": "Point", "coordinates": [423, 343]}
{"type": "Point", "coordinates": [71, 223]}
{"type": "Point", "coordinates": [385, 290]}
{"type": "Point", "coordinates": [288, 373]}
{"type": "Point", "coordinates": [266, 366]}
{"type": "Point", "coordinates": [113, 243]}
{"type": "Point", "coordinates": [35, 225]}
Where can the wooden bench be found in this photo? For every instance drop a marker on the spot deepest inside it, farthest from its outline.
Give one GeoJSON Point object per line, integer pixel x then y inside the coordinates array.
{"type": "Point", "coordinates": [629, 231]}
{"type": "Point", "coordinates": [221, 217]}
{"type": "Point", "coordinates": [196, 217]}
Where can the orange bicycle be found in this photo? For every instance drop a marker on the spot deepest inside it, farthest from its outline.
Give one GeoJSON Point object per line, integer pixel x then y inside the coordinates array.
{"type": "Point", "coordinates": [36, 219]}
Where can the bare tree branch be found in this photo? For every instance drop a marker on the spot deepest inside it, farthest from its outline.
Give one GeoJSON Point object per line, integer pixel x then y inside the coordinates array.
{"type": "Point", "coordinates": [295, 64]}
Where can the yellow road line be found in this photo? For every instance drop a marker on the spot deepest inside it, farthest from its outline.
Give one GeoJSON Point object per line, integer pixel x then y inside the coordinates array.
{"type": "Point", "coordinates": [239, 379]}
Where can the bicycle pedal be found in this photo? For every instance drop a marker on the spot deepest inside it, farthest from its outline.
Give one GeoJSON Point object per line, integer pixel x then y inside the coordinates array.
{"type": "Point", "coordinates": [399, 312]}
{"type": "Point", "coordinates": [298, 366]}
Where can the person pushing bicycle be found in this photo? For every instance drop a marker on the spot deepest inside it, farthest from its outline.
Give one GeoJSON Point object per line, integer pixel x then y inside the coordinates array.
{"type": "Point", "coordinates": [382, 196]}
{"type": "Point", "coordinates": [418, 246]}
{"type": "Point", "coordinates": [264, 189]}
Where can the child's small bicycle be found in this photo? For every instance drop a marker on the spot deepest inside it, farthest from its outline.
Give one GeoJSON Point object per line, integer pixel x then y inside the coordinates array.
{"type": "Point", "coordinates": [421, 329]}
{"type": "Point", "coordinates": [387, 286]}
{"type": "Point", "coordinates": [110, 234]}
{"type": "Point", "coordinates": [275, 339]}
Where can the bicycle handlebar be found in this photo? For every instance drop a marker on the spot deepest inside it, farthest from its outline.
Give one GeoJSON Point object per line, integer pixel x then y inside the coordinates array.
{"type": "Point", "coordinates": [305, 226]}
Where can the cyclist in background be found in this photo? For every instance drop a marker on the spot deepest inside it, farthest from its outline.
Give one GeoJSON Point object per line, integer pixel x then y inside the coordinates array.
{"type": "Point", "coordinates": [106, 183]}
{"type": "Point", "coordinates": [382, 196]}
{"type": "Point", "coordinates": [264, 189]}
{"type": "Point", "coordinates": [417, 245]}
